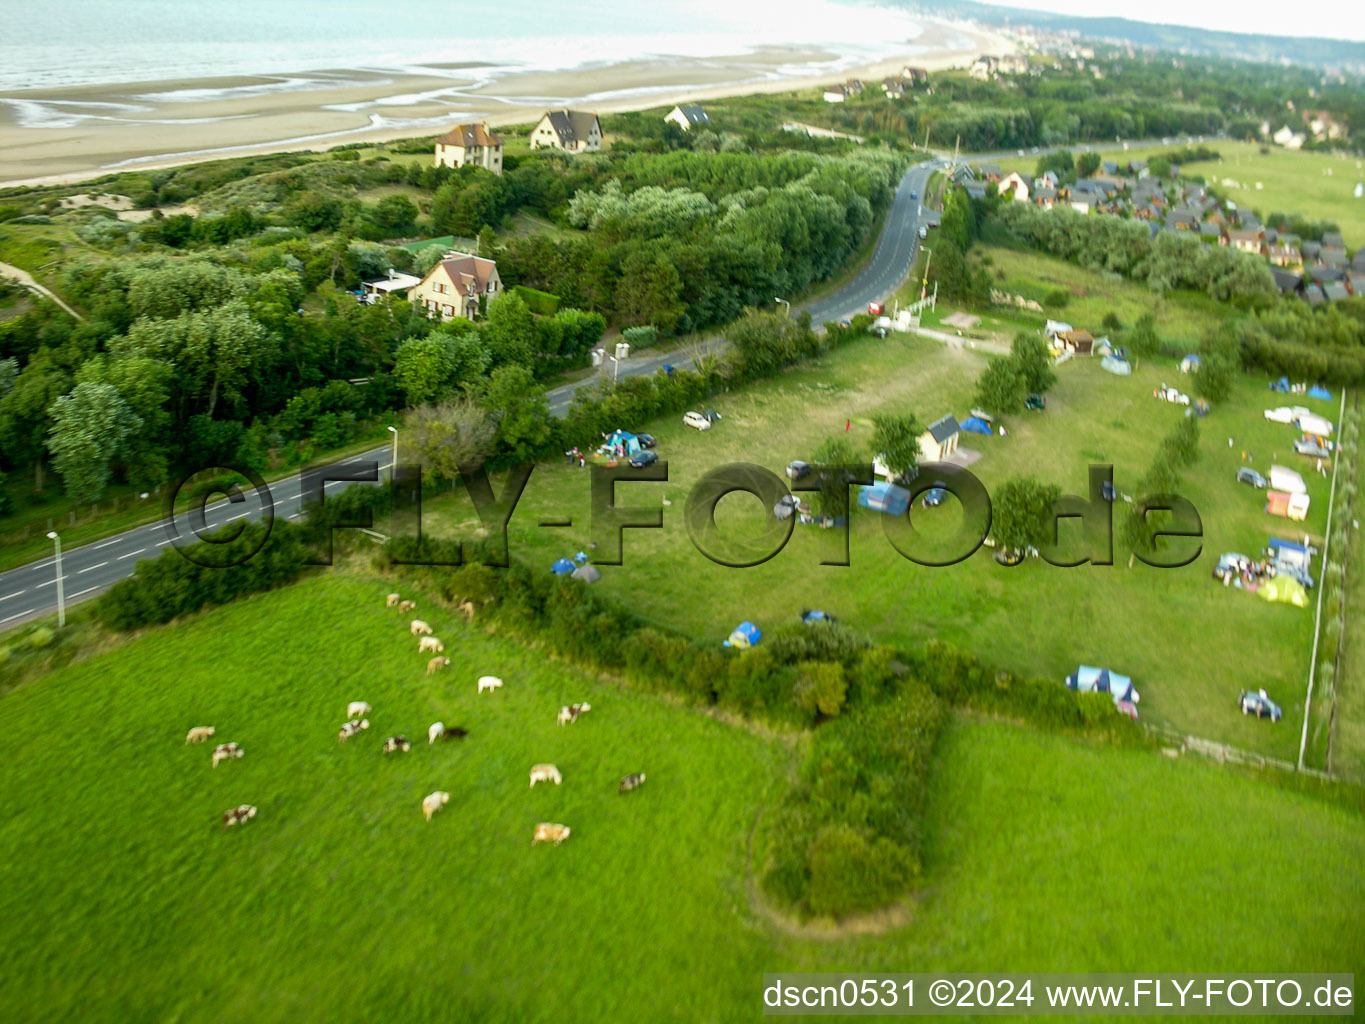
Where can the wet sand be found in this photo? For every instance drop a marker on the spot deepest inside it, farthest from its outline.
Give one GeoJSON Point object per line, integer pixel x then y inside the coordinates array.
{"type": "Point", "coordinates": [67, 135]}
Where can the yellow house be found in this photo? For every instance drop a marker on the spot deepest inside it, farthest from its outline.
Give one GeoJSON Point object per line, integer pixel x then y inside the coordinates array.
{"type": "Point", "coordinates": [940, 441]}
{"type": "Point", "coordinates": [470, 145]}
{"type": "Point", "coordinates": [574, 131]}
{"type": "Point", "coordinates": [458, 286]}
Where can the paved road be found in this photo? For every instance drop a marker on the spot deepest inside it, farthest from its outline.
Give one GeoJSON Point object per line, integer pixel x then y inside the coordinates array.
{"type": "Point", "coordinates": [30, 590]}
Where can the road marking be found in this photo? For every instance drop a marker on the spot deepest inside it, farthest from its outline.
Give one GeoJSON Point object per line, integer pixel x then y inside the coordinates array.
{"type": "Point", "coordinates": [130, 554]}
{"type": "Point", "coordinates": [16, 615]}
{"type": "Point", "coordinates": [47, 584]}
{"type": "Point", "coordinates": [163, 543]}
{"type": "Point", "coordinates": [92, 568]}
{"type": "Point", "coordinates": [84, 592]}
{"type": "Point", "coordinates": [107, 543]}
{"type": "Point", "coordinates": [8, 596]}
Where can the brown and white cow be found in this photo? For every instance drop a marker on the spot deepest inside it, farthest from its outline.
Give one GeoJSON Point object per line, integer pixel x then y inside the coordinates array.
{"type": "Point", "coordinates": [396, 744]}
{"type": "Point", "coordinates": [436, 664]}
{"type": "Point", "coordinates": [547, 832]}
{"type": "Point", "coordinates": [632, 782]}
{"type": "Point", "coordinates": [226, 752]}
{"type": "Point", "coordinates": [571, 713]}
{"type": "Point", "coordinates": [238, 815]}
{"type": "Point", "coordinates": [351, 728]}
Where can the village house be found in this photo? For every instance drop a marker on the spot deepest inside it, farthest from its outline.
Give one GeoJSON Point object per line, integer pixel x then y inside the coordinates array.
{"type": "Point", "coordinates": [1244, 240]}
{"type": "Point", "coordinates": [574, 131]}
{"type": "Point", "coordinates": [1045, 196]}
{"type": "Point", "coordinates": [982, 69]}
{"type": "Point", "coordinates": [1282, 254]}
{"type": "Point", "coordinates": [893, 87]}
{"type": "Point", "coordinates": [940, 441]}
{"type": "Point", "coordinates": [459, 286]}
{"type": "Point", "coordinates": [470, 145]}
{"type": "Point", "coordinates": [835, 94]}
{"type": "Point", "coordinates": [685, 115]}
{"type": "Point", "coordinates": [917, 76]}
{"type": "Point", "coordinates": [1017, 185]}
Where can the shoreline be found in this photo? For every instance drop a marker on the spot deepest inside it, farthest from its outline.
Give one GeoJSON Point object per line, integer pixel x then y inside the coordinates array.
{"type": "Point", "coordinates": [78, 133]}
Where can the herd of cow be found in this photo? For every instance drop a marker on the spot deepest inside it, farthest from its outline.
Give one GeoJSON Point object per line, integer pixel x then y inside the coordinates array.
{"type": "Point", "coordinates": [356, 722]}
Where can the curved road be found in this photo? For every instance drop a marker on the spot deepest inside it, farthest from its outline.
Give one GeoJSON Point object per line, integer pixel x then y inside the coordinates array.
{"type": "Point", "coordinates": [31, 590]}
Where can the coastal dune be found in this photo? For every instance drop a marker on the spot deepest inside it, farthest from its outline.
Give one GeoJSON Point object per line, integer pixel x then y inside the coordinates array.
{"type": "Point", "coordinates": [71, 134]}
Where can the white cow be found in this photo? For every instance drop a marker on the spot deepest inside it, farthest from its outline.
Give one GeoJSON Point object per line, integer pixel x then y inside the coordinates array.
{"type": "Point", "coordinates": [406, 606]}
{"type": "Point", "coordinates": [199, 733]}
{"type": "Point", "coordinates": [357, 709]}
{"type": "Point", "coordinates": [546, 832]}
{"type": "Point", "coordinates": [392, 600]}
{"type": "Point", "coordinates": [430, 645]}
{"type": "Point", "coordinates": [434, 732]}
{"type": "Point", "coordinates": [433, 802]}
{"type": "Point", "coordinates": [489, 683]}
{"type": "Point", "coordinates": [226, 752]}
{"type": "Point", "coordinates": [419, 628]}
{"type": "Point", "coordinates": [545, 773]}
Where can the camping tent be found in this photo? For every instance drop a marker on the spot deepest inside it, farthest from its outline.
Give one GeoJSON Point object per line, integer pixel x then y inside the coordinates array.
{"type": "Point", "coordinates": [1115, 365]}
{"type": "Point", "coordinates": [562, 567]}
{"type": "Point", "coordinates": [746, 634]}
{"type": "Point", "coordinates": [1318, 391]}
{"type": "Point", "coordinates": [1281, 385]}
{"type": "Point", "coordinates": [1200, 408]}
{"type": "Point", "coordinates": [1100, 680]}
{"type": "Point", "coordinates": [622, 443]}
{"type": "Point", "coordinates": [885, 497]}
{"type": "Point", "coordinates": [587, 573]}
{"type": "Point", "coordinates": [1286, 589]}
{"type": "Point", "coordinates": [977, 425]}
{"type": "Point", "coordinates": [1190, 364]}
{"type": "Point", "coordinates": [816, 616]}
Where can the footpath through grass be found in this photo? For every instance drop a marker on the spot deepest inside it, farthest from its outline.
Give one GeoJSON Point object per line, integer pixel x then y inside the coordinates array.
{"type": "Point", "coordinates": [124, 898]}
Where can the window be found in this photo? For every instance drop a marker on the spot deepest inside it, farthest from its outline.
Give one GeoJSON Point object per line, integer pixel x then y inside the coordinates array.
{"type": "Point", "coordinates": [448, 310]}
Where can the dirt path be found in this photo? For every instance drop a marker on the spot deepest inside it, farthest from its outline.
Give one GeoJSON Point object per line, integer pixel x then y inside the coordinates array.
{"type": "Point", "coordinates": [26, 279]}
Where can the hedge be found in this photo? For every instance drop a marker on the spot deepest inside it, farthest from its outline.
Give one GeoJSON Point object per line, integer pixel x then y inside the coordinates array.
{"type": "Point", "coordinates": [539, 302]}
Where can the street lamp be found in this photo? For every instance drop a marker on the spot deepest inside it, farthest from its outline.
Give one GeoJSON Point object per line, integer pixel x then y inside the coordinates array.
{"type": "Point", "coordinates": [615, 368]}
{"type": "Point", "coordinates": [924, 288]}
{"type": "Point", "coordinates": [785, 303]}
{"type": "Point", "coordinates": [393, 461]}
{"type": "Point", "coordinates": [61, 595]}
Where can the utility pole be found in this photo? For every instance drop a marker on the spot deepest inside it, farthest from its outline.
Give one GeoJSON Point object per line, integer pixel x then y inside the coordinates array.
{"type": "Point", "coordinates": [924, 287]}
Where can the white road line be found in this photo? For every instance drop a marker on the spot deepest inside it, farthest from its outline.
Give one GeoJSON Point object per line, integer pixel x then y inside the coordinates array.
{"type": "Point", "coordinates": [84, 592]}
{"type": "Point", "coordinates": [92, 568]}
{"type": "Point", "coordinates": [8, 596]}
{"type": "Point", "coordinates": [162, 543]}
{"type": "Point", "coordinates": [107, 543]}
{"type": "Point", "coordinates": [15, 616]}
{"type": "Point", "coordinates": [130, 554]}
{"type": "Point", "coordinates": [47, 584]}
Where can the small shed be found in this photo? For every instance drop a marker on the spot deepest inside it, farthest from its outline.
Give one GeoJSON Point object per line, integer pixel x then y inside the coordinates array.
{"type": "Point", "coordinates": [940, 440]}
{"type": "Point", "coordinates": [1190, 364]}
{"type": "Point", "coordinates": [1081, 343]}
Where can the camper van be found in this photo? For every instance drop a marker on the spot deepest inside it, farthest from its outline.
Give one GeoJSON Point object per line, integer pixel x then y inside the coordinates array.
{"type": "Point", "coordinates": [1311, 424]}
{"type": "Point", "coordinates": [1290, 506]}
{"type": "Point", "coordinates": [1282, 479]}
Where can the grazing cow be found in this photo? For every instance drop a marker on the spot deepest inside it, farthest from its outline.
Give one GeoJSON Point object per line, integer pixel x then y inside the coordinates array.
{"type": "Point", "coordinates": [467, 607]}
{"type": "Point", "coordinates": [391, 601]}
{"type": "Point", "coordinates": [406, 606]}
{"type": "Point", "coordinates": [489, 683]}
{"type": "Point", "coordinates": [238, 815]}
{"type": "Point", "coordinates": [440, 731]}
{"type": "Point", "coordinates": [419, 628]}
{"type": "Point", "coordinates": [199, 733]}
{"type": "Point", "coordinates": [429, 644]}
{"type": "Point", "coordinates": [357, 709]}
{"type": "Point", "coordinates": [351, 728]}
{"type": "Point", "coordinates": [571, 713]}
{"type": "Point", "coordinates": [436, 664]}
{"type": "Point", "coordinates": [550, 833]}
{"type": "Point", "coordinates": [433, 802]}
{"type": "Point", "coordinates": [396, 744]}
{"type": "Point", "coordinates": [226, 752]}
{"type": "Point", "coordinates": [632, 782]}
{"type": "Point", "coordinates": [545, 773]}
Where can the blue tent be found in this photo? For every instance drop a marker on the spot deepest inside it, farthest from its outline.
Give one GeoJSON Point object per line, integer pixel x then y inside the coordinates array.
{"type": "Point", "coordinates": [1318, 391]}
{"type": "Point", "coordinates": [976, 425]}
{"type": "Point", "coordinates": [746, 634]}
{"type": "Point", "coordinates": [1100, 680]}
{"type": "Point", "coordinates": [885, 497]}
{"type": "Point", "coordinates": [562, 568]}
{"type": "Point", "coordinates": [623, 442]}
{"type": "Point", "coordinates": [1281, 385]}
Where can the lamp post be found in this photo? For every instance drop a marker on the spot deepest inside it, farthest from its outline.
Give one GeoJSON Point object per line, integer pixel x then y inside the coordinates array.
{"type": "Point", "coordinates": [615, 368]}
{"type": "Point", "coordinates": [61, 595]}
{"type": "Point", "coordinates": [393, 461]}
{"type": "Point", "coordinates": [785, 303]}
{"type": "Point", "coordinates": [924, 287]}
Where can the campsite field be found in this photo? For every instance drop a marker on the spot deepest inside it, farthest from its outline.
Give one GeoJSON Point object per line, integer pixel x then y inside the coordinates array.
{"type": "Point", "coordinates": [1317, 185]}
{"type": "Point", "coordinates": [123, 897]}
{"type": "Point", "coordinates": [1189, 644]}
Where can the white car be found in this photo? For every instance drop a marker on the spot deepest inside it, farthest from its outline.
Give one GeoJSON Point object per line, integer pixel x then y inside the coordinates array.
{"type": "Point", "coordinates": [1286, 413]}
{"type": "Point", "coordinates": [696, 419]}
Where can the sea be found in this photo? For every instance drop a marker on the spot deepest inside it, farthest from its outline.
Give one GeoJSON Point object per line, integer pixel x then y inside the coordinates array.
{"type": "Point", "coordinates": [51, 44]}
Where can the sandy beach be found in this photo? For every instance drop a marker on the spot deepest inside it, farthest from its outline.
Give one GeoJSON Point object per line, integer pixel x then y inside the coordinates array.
{"type": "Point", "coordinates": [66, 135]}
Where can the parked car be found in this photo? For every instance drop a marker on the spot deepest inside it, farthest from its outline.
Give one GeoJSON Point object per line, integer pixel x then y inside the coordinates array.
{"type": "Point", "coordinates": [711, 415]}
{"type": "Point", "coordinates": [1311, 448]}
{"type": "Point", "coordinates": [1260, 705]}
{"type": "Point", "coordinates": [1107, 491]}
{"type": "Point", "coordinates": [796, 469]}
{"type": "Point", "coordinates": [644, 458]}
{"type": "Point", "coordinates": [696, 419]}
{"type": "Point", "coordinates": [876, 308]}
{"type": "Point", "coordinates": [1246, 475]}
{"type": "Point", "coordinates": [935, 495]}
{"type": "Point", "coordinates": [646, 440]}
{"type": "Point", "coordinates": [1035, 402]}
{"type": "Point", "coordinates": [923, 233]}
{"type": "Point", "coordinates": [914, 195]}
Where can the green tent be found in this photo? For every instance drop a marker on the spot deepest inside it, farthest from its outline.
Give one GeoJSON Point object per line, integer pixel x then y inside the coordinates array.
{"type": "Point", "coordinates": [1284, 588]}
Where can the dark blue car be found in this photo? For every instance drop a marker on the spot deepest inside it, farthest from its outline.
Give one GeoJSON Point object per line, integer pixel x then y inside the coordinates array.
{"type": "Point", "coordinates": [935, 495]}
{"type": "Point", "coordinates": [1260, 705]}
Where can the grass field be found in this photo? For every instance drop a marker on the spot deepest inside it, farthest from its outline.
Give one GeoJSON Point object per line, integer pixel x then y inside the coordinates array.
{"type": "Point", "coordinates": [1189, 644]}
{"type": "Point", "coordinates": [123, 898]}
{"type": "Point", "coordinates": [1318, 185]}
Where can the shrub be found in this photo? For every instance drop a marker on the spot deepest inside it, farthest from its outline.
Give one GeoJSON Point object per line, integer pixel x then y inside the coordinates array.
{"type": "Point", "coordinates": [542, 303]}
{"type": "Point", "coordinates": [641, 337]}
{"type": "Point", "coordinates": [1057, 298]}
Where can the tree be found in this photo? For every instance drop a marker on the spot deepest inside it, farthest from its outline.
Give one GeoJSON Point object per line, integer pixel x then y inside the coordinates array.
{"type": "Point", "coordinates": [1034, 363]}
{"type": "Point", "coordinates": [1022, 513]}
{"type": "Point", "coordinates": [895, 439]}
{"type": "Point", "coordinates": [832, 497]}
{"type": "Point", "coordinates": [1000, 388]}
{"type": "Point", "coordinates": [24, 412]}
{"type": "Point", "coordinates": [89, 429]}
{"type": "Point", "coordinates": [820, 687]}
{"type": "Point", "coordinates": [1143, 339]}
{"type": "Point", "coordinates": [509, 333]}
{"type": "Point", "coordinates": [1061, 163]}
{"type": "Point", "coordinates": [430, 369]}
{"type": "Point", "coordinates": [396, 215]}
{"type": "Point", "coordinates": [426, 258]}
{"type": "Point", "coordinates": [524, 424]}
{"type": "Point", "coordinates": [487, 243]}
{"type": "Point", "coordinates": [145, 385]}
{"type": "Point", "coordinates": [1087, 164]}
{"type": "Point", "coordinates": [448, 435]}
{"type": "Point", "coordinates": [1218, 364]}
